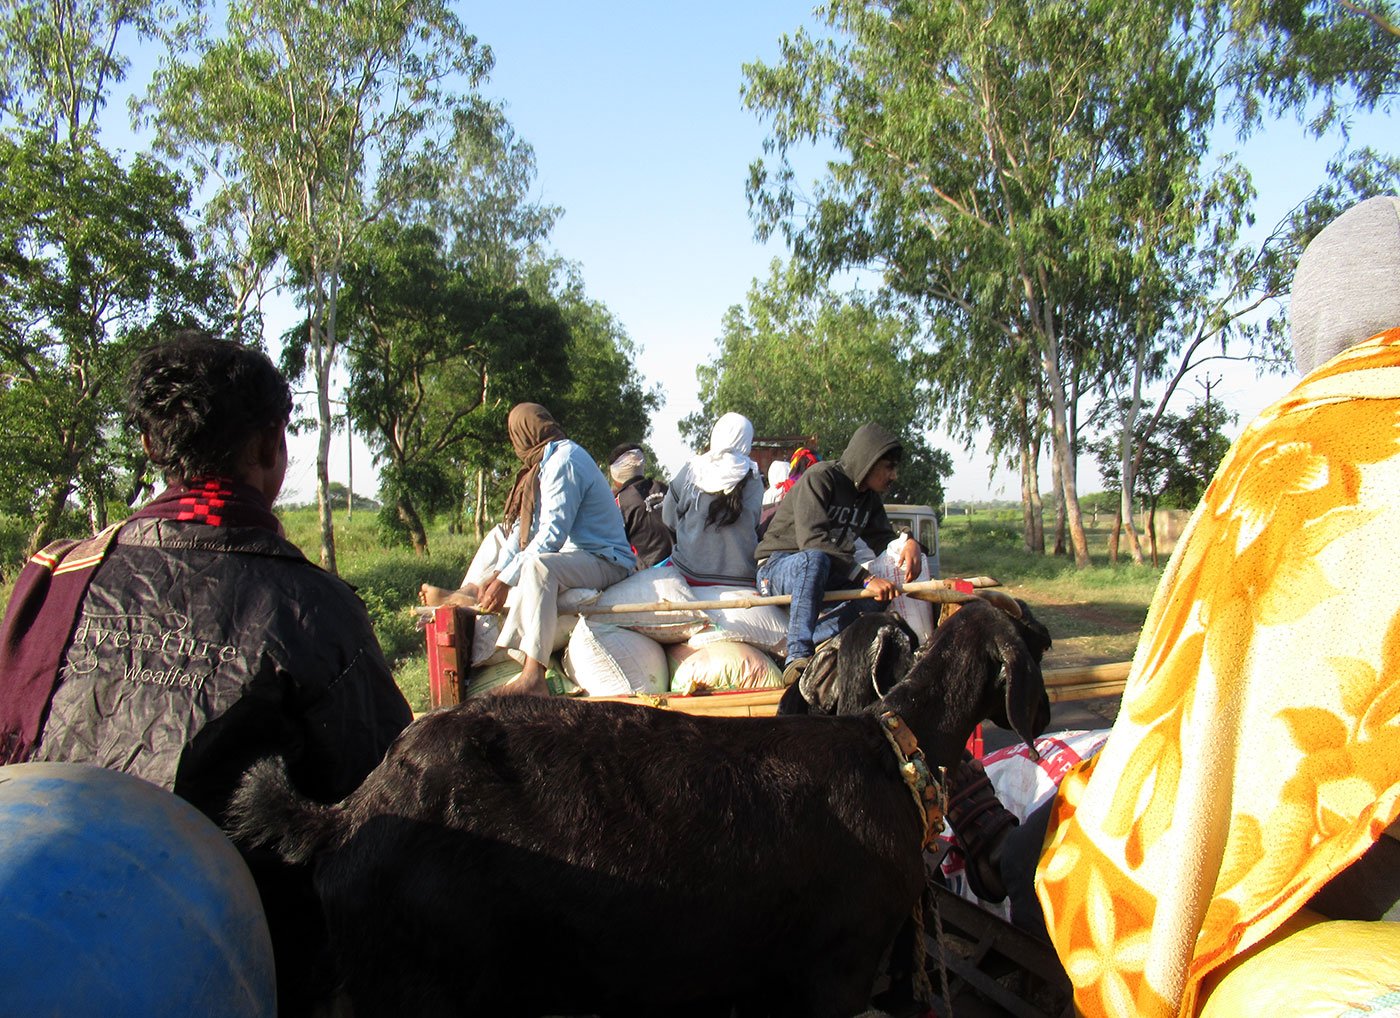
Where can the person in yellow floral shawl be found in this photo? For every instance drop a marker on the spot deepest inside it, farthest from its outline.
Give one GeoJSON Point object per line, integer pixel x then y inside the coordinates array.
{"type": "Point", "coordinates": [1256, 754]}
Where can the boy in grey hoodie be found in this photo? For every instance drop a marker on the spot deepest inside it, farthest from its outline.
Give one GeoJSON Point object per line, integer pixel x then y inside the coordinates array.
{"type": "Point", "coordinates": [825, 532]}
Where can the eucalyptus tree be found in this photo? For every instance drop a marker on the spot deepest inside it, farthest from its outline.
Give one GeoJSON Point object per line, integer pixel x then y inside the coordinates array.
{"type": "Point", "coordinates": [94, 251]}
{"type": "Point", "coordinates": [1320, 59]}
{"type": "Point", "coordinates": [987, 160]}
{"type": "Point", "coordinates": [316, 120]}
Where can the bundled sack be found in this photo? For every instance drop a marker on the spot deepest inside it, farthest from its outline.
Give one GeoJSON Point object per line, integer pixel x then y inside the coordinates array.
{"type": "Point", "coordinates": [606, 660]}
{"type": "Point", "coordinates": [725, 665]}
{"type": "Point", "coordinates": [1023, 785]}
{"type": "Point", "coordinates": [662, 583]}
{"type": "Point", "coordinates": [492, 677]}
{"type": "Point", "coordinates": [485, 653]}
{"type": "Point", "coordinates": [919, 614]}
{"type": "Point", "coordinates": [763, 626]}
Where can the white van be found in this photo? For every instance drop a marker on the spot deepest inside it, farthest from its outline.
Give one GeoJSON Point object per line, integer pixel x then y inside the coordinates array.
{"type": "Point", "coordinates": [921, 523]}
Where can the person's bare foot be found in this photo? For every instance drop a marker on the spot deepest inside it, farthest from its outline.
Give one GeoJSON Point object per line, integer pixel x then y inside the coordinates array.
{"type": "Point", "coordinates": [434, 596]}
{"type": "Point", "coordinates": [525, 684]}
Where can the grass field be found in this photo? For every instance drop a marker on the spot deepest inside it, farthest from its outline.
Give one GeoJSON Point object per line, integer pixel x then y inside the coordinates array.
{"type": "Point", "coordinates": [1094, 614]}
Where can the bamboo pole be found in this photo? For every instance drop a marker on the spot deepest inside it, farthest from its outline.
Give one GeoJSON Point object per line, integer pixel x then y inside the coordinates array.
{"type": "Point", "coordinates": [937, 591]}
{"type": "Point", "coordinates": [933, 591]}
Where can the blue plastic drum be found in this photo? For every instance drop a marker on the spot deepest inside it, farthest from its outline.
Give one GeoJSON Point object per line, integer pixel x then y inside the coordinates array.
{"type": "Point", "coordinates": [117, 898]}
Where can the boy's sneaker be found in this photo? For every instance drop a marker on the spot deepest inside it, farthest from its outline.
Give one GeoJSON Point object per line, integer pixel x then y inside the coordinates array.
{"type": "Point", "coordinates": [793, 670]}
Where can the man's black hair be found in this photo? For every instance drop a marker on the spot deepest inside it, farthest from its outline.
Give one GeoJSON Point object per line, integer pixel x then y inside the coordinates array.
{"type": "Point", "coordinates": [624, 447]}
{"type": "Point", "coordinates": [200, 400]}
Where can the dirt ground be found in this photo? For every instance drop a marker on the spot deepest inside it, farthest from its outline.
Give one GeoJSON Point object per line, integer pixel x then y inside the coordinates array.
{"type": "Point", "coordinates": [1106, 633]}
{"type": "Point", "coordinates": [1084, 633]}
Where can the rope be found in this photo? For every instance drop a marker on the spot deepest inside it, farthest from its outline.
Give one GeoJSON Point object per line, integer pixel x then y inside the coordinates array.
{"type": "Point", "coordinates": [938, 914]}
{"type": "Point", "coordinates": [942, 961]}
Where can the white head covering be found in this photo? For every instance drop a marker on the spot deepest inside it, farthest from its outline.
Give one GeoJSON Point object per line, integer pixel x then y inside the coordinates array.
{"type": "Point", "coordinates": [778, 472]}
{"type": "Point", "coordinates": [726, 463]}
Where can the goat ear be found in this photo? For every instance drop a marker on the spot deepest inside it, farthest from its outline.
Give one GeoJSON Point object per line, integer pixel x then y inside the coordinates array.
{"type": "Point", "coordinates": [891, 651]}
{"type": "Point", "coordinates": [1027, 705]}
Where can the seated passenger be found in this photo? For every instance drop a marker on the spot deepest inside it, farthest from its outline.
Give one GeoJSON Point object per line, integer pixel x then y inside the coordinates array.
{"type": "Point", "coordinates": [713, 506]}
{"type": "Point", "coordinates": [824, 532]}
{"type": "Point", "coordinates": [562, 531]}
{"type": "Point", "coordinates": [1255, 763]}
{"type": "Point", "coordinates": [639, 497]}
{"type": "Point", "coordinates": [191, 640]}
{"type": "Point", "coordinates": [778, 472]}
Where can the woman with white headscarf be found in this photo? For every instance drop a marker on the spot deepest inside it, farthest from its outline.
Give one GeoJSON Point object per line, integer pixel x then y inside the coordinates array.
{"type": "Point", "coordinates": [713, 506]}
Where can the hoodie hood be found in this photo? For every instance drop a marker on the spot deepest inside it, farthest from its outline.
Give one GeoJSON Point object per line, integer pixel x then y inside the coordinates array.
{"type": "Point", "coordinates": [867, 447]}
{"type": "Point", "coordinates": [1347, 287]}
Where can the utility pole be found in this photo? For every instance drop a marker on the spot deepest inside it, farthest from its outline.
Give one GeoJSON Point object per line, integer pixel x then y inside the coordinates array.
{"type": "Point", "coordinates": [1209, 383]}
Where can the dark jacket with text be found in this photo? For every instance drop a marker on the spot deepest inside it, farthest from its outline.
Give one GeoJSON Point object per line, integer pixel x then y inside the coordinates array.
{"type": "Point", "coordinates": [825, 511]}
{"type": "Point", "coordinates": [199, 650]}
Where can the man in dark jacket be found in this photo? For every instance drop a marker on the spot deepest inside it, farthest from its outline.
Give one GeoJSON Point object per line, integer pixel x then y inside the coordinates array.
{"type": "Point", "coordinates": [639, 497]}
{"type": "Point", "coordinates": [825, 531]}
{"type": "Point", "coordinates": [192, 639]}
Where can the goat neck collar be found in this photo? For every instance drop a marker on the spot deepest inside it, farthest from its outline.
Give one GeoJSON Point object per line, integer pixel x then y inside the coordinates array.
{"type": "Point", "coordinates": [926, 789]}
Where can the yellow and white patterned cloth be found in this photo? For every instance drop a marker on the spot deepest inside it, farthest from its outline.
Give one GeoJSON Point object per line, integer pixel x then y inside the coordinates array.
{"type": "Point", "coordinates": [1257, 750]}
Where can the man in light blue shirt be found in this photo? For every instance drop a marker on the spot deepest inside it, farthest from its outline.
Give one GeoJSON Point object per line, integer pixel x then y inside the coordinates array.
{"type": "Point", "coordinates": [566, 532]}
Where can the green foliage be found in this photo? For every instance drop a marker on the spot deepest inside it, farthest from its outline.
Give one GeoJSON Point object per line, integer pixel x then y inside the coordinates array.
{"type": "Point", "coordinates": [997, 164]}
{"type": "Point", "coordinates": [1033, 179]}
{"type": "Point", "coordinates": [315, 120]}
{"type": "Point", "coordinates": [819, 365]}
{"type": "Point", "coordinates": [436, 358]}
{"type": "Point", "coordinates": [1175, 460]}
{"type": "Point", "coordinates": [95, 260]}
{"type": "Point", "coordinates": [62, 58]}
{"type": "Point", "coordinates": [387, 580]}
{"type": "Point", "coordinates": [1321, 59]}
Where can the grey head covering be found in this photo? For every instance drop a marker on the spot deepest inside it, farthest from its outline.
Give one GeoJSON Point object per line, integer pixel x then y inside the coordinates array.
{"type": "Point", "coordinates": [1347, 287]}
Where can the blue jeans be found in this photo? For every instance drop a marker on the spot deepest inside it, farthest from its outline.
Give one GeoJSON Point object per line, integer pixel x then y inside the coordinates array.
{"type": "Point", "coordinates": [807, 576]}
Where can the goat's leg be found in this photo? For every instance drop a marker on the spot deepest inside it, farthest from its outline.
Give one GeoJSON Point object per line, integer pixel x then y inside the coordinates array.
{"type": "Point", "coordinates": [898, 997]}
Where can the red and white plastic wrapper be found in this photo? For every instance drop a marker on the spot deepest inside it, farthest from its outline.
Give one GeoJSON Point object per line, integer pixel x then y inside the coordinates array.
{"type": "Point", "coordinates": [1023, 785]}
{"type": "Point", "coordinates": [919, 614]}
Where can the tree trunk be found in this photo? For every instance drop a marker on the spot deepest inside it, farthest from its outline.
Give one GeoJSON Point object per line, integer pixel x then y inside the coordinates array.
{"type": "Point", "coordinates": [97, 509]}
{"type": "Point", "coordinates": [1062, 447]}
{"type": "Point", "coordinates": [1126, 457]}
{"type": "Point", "coordinates": [1028, 527]}
{"type": "Point", "coordinates": [323, 354]}
{"type": "Point", "coordinates": [1150, 525]}
{"type": "Point", "coordinates": [49, 516]}
{"type": "Point", "coordinates": [1059, 489]}
{"type": "Point", "coordinates": [479, 516]}
{"type": "Point", "coordinates": [1033, 524]}
{"type": "Point", "coordinates": [408, 515]}
{"type": "Point", "coordinates": [1113, 534]}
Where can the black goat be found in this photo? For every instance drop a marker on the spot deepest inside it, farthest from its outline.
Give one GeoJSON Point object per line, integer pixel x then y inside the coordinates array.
{"type": "Point", "coordinates": [866, 659]}
{"type": "Point", "coordinates": [521, 856]}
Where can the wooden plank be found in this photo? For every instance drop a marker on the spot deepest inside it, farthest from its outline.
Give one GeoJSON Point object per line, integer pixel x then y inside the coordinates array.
{"type": "Point", "coordinates": [1081, 682]}
{"type": "Point", "coordinates": [1087, 691]}
{"type": "Point", "coordinates": [1076, 675]}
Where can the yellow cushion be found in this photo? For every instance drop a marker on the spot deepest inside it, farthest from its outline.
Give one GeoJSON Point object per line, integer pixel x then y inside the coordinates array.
{"type": "Point", "coordinates": [1309, 968]}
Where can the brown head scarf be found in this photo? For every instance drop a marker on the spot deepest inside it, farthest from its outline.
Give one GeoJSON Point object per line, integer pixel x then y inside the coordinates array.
{"type": "Point", "coordinates": [531, 427]}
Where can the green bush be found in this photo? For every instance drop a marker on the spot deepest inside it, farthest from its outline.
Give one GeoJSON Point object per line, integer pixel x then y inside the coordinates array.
{"type": "Point", "coordinates": [387, 580]}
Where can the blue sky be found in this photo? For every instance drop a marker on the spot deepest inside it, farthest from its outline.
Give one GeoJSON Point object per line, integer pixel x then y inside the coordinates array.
{"type": "Point", "coordinates": [634, 113]}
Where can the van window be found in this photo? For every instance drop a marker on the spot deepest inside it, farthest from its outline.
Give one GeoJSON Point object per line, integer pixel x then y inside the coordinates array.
{"type": "Point", "coordinates": [928, 535]}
